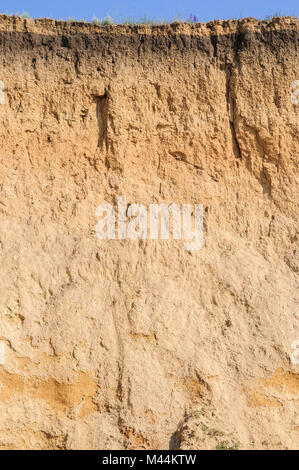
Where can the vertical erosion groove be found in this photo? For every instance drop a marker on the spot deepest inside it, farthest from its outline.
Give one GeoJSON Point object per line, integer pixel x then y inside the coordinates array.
{"type": "Point", "coordinates": [102, 116]}
{"type": "Point", "coordinates": [230, 101]}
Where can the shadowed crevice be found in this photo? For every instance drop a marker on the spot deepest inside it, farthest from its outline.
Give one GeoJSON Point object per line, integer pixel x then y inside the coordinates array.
{"type": "Point", "coordinates": [102, 118]}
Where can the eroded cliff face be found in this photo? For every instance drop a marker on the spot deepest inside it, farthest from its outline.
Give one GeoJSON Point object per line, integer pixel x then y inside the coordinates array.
{"type": "Point", "coordinates": [133, 344]}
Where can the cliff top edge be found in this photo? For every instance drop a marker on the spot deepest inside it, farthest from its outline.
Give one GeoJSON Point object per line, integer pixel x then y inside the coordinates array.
{"type": "Point", "coordinates": [217, 27]}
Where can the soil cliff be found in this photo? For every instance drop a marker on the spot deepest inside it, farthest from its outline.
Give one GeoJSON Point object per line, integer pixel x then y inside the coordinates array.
{"type": "Point", "coordinates": [142, 344]}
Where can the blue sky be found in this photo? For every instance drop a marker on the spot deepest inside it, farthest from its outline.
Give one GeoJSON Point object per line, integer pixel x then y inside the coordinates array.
{"type": "Point", "coordinates": [156, 9]}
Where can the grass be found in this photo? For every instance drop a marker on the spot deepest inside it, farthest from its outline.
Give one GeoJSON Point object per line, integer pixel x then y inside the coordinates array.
{"type": "Point", "coordinates": [103, 21]}
{"type": "Point", "coordinates": [278, 14]}
{"type": "Point", "coordinates": [143, 20]}
{"type": "Point", "coordinates": [25, 15]}
{"type": "Point", "coordinates": [198, 413]}
{"type": "Point", "coordinates": [211, 431]}
{"type": "Point", "coordinates": [108, 20]}
{"type": "Point", "coordinates": [225, 445]}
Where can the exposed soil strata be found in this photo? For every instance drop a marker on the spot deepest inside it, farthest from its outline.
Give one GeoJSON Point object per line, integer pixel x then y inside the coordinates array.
{"type": "Point", "coordinates": [142, 344]}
